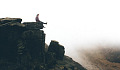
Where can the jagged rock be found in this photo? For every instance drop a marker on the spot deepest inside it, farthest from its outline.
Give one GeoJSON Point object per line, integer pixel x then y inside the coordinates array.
{"type": "Point", "coordinates": [22, 47]}
{"type": "Point", "coordinates": [57, 49]}
{"type": "Point", "coordinates": [34, 41]}
{"type": "Point", "coordinates": [9, 36]}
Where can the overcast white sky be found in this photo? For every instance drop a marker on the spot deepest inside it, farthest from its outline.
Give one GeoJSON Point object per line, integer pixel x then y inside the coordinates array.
{"type": "Point", "coordinates": [71, 22]}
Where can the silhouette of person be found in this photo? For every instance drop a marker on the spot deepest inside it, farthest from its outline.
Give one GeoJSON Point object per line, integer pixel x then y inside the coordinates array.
{"type": "Point", "coordinates": [37, 18]}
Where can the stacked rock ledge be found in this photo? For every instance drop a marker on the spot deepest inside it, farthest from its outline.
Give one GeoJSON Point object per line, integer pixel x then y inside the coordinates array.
{"type": "Point", "coordinates": [22, 47]}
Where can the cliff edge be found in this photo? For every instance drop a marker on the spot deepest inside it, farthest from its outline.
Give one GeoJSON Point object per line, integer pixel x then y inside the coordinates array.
{"type": "Point", "coordinates": [22, 47]}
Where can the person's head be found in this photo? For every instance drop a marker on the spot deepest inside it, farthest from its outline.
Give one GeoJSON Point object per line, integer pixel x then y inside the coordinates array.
{"type": "Point", "coordinates": [37, 14]}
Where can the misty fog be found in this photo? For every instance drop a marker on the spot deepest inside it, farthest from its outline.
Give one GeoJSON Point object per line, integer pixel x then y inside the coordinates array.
{"type": "Point", "coordinates": [75, 24]}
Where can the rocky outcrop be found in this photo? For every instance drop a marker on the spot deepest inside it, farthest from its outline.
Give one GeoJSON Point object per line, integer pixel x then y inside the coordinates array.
{"type": "Point", "coordinates": [57, 49]}
{"type": "Point", "coordinates": [34, 25]}
{"type": "Point", "coordinates": [22, 47]}
{"type": "Point", "coordinates": [67, 64]}
{"type": "Point", "coordinates": [7, 20]}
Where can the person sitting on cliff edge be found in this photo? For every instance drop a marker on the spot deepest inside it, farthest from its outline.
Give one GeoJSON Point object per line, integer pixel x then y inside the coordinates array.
{"type": "Point", "coordinates": [37, 19]}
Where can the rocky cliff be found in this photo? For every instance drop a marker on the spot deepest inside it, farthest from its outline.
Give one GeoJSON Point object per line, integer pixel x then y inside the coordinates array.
{"type": "Point", "coordinates": [22, 47]}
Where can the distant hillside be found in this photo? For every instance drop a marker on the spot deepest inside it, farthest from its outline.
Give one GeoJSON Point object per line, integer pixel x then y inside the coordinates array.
{"type": "Point", "coordinates": [102, 58]}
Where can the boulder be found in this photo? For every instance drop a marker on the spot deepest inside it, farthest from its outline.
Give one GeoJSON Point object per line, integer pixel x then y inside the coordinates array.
{"type": "Point", "coordinates": [56, 48]}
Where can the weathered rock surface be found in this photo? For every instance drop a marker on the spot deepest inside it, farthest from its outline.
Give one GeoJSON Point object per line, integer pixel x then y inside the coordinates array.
{"type": "Point", "coordinates": [34, 25]}
{"type": "Point", "coordinates": [67, 64]}
{"type": "Point", "coordinates": [57, 49]}
{"type": "Point", "coordinates": [22, 47]}
{"type": "Point", "coordinates": [6, 20]}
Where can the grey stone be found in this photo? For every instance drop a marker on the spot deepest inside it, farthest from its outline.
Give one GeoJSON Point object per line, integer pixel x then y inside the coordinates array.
{"type": "Point", "coordinates": [6, 20]}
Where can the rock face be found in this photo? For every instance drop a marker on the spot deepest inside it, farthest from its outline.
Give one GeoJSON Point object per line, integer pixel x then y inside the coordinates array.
{"type": "Point", "coordinates": [34, 25]}
{"type": "Point", "coordinates": [57, 49]}
{"type": "Point", "coordinates": [22, 47]}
